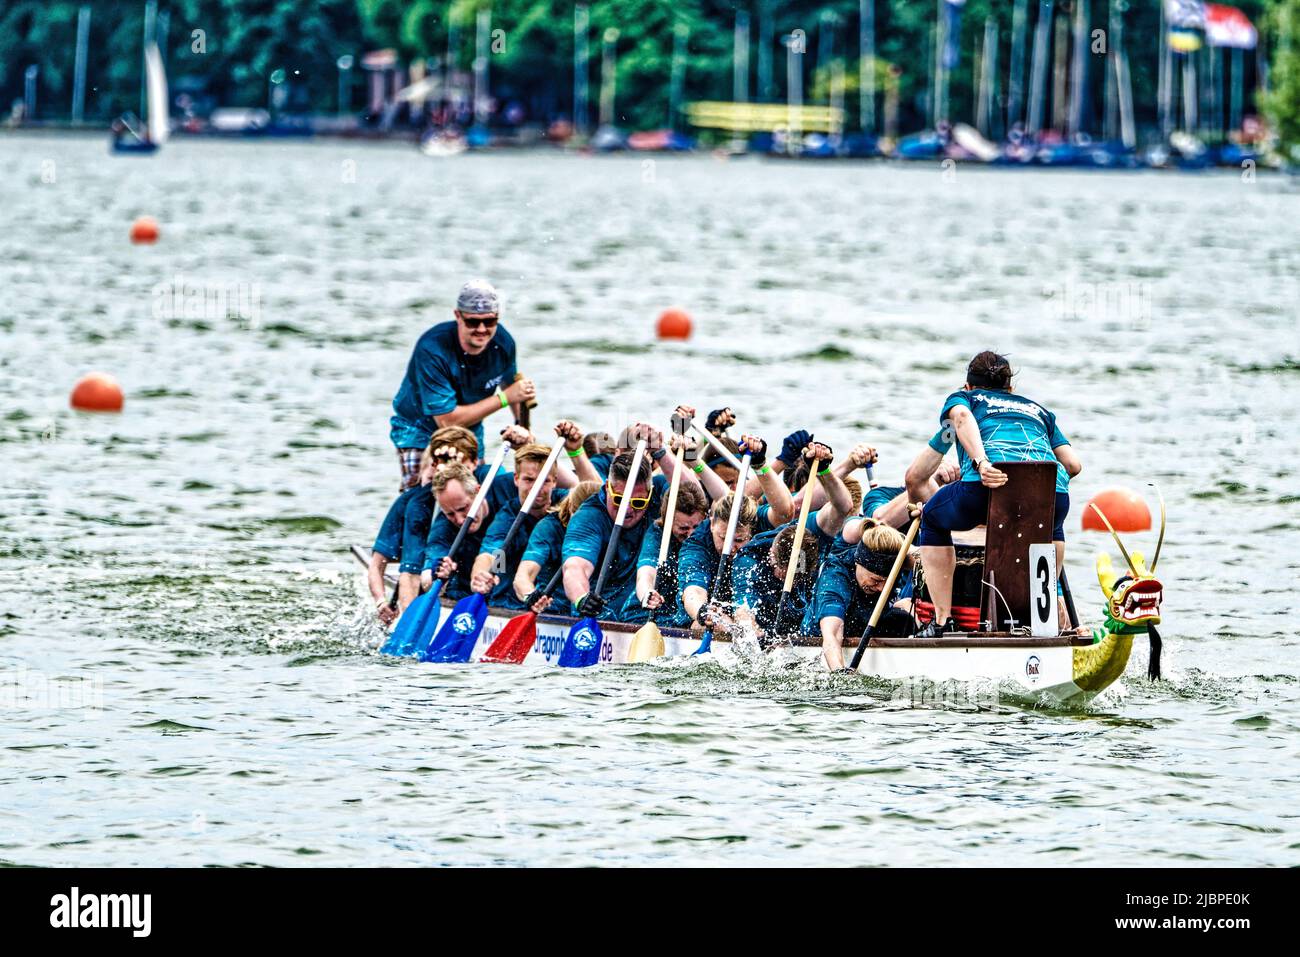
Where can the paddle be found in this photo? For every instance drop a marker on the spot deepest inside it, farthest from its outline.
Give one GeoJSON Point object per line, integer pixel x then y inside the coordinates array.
{"type": "Point", "coordinates": [525, 408]}
{"type": "Point", "coordinates": [797, 553]}
{"type": "Point", "coordinates": [885, 592]}
{"type": "Point", "coordinates": [401, 641]}
{"type": "Point", "coordinates": [416, 638]}
{"type": "Point", "coordinates": [459, 634]}
{"type": "Point", "coordinates": [1069, 601]}
{"type": "Point", "coordinates": [724, 560]}
{"type": "Point", "coordinates": [717, 446]}
{"type": "Point", "coordinates": [648, 642]}
{"type": "Point", "coordinates": [583, 643]}
{"type": "Point", "coordinates": [519, 635]}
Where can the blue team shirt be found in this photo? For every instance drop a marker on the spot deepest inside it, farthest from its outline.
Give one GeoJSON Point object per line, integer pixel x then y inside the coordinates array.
{"type": "Point", "coordinates": [545, 547]}
{"type": "Point", "coordinates": [1013, 428]}
{"type": "Point", "coordinates": [756, 585]}
{"type": "Point", "coordinates": [880, 496]}
{"type": "Point", "coordinates": [391, 540]}
{"type": "Point", "coordinates": [504, 592]}
{"type": "Point", "coordinates": [671, 612]}
{"type": "Point", "coordinates": [589, 532]}
{"type": "Point", "coordinates": [838, 594]}
{"type": "Point", "coordinates": [442, 533]}
{"type": "Point", "coordinates": [441, 375]}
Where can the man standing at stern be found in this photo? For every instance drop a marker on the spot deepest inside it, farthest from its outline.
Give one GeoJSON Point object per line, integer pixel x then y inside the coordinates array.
{"type": "Point", "coordinates": [460, 373]}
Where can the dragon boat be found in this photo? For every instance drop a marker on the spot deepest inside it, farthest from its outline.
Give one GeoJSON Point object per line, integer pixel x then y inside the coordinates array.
{"type": "Point", "coordinates": [1028, 653]}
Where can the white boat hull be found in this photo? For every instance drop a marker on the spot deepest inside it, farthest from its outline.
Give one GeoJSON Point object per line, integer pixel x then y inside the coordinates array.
{"type": "Point", "coordinates": [1054, 670]}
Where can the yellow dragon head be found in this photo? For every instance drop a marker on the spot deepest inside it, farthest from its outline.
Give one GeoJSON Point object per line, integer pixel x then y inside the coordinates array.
{"type": "Point", "coordinates": [1132, 601]}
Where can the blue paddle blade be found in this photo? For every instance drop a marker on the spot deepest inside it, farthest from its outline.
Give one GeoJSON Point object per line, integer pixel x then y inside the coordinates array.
{"type": "Point", "coordinates": [428, 625]}
{"type": "Point", "coordinates": [706, 644]}
{"type": "Point", "coordinates": [582, 646]}
{"type": "Point", "coordinates": [458, 635]}
{"type": "Point", "coordinates": [411, 624]}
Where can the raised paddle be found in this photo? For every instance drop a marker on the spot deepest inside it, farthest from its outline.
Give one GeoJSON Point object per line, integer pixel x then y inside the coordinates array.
{"type": "Point", "coordinates": [885, 592]}
{"type": "Point", "coordinates": [717, 446]}
{"type": "Point", "coordinates": [426, 624]}
{"type": "Point", "coordinates": [797, 553]}
{"type": "Point", "coordinates": [519, 635]}
{"type": "Point", "coordinates": [728, 543]}
{"type": "Point", "coordinates": [459, 634]}
{"type": "Point", "coordinates": [401, 640]}
{"type": "Point", "coordinates": [583, 643]}
{"type": "Point", "coordinates": [648, 642]}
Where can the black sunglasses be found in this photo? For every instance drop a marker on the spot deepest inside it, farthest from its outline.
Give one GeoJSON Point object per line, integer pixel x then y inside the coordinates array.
{"type": "Point", "coordinates": [487, 322]}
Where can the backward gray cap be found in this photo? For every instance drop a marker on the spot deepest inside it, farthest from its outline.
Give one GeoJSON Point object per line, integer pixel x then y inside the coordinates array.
{"type": "Point", "coordinates": [479, 297]}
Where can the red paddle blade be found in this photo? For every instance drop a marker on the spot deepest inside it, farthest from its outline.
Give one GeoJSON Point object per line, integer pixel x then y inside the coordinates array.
{"type": "Point", "coordinates": [515, 641]}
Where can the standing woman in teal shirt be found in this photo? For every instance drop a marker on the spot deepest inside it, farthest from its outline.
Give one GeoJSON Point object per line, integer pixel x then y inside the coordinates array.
{"type": "Point", "coordinates": [991, 424]}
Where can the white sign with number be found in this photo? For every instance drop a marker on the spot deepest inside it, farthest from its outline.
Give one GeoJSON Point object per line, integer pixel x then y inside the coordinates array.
{"type": "Point", "coordinates": [1042, 591]}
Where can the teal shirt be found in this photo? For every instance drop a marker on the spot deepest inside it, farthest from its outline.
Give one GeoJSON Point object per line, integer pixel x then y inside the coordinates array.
{"type": "Point", "coordinates": [671, 611]}
{"type": "Point", "coordinates": [1013, 428]}
{"type": "Point", "coordinates": [545, 547]}
{"type": "Point", "coordinates": [757, 586]}
{"type": "Point", "coordinates": [587, 536]}
{"type": "Point", "coordinates": [503, 595]}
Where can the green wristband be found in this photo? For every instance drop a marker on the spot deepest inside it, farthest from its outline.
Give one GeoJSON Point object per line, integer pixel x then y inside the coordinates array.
{"type": "Point", "coordinates": [575, 453]}
{"type": "Point", "coordinates": [698, 469]}
{"type": "Point", "coordinates": [764, 470]}
{"type": "Point", "coordinates": [504, 401]}
{"type": "Point", "coordinates": [825, 471]}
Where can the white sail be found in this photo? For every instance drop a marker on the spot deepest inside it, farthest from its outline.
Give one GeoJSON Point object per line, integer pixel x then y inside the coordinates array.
{"type": "Point", "coordinates": [156, 86]}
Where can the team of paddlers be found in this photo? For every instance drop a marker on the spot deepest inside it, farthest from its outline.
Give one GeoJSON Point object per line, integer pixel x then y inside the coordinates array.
{"type": "Point", "coordinates": [464, 371]}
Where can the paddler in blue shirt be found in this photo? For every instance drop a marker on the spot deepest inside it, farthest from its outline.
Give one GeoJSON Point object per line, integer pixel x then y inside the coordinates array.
{"type": "Point", "coordinates": [545, 553]}
{"type": "Point", "coordinates": [759, 571]}
{"type": "Point", "coordinates": [493, 578]}
{"type": "Point", "coordinates": [657, 589]}
{"type": "Point", "coordinates": [589, 534]}
{"type": "Point", "coordinates": [991, 424]}
{"type": "Point", "coordinates": [401, 539]}
{"type": "Point", "coordinates": [849, 586]}
{"type": "Point", "coordinates": [454, 486]}
{"type": "Point", "coordinates": [459, 374]}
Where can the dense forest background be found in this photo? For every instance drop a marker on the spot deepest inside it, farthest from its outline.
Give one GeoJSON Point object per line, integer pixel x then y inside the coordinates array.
{"type": "Point", "coordinates": [245, 43]}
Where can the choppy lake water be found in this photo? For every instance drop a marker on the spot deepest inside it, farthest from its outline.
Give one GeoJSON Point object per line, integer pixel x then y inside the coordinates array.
{"type": "Point", "coordinates": [182, 567]}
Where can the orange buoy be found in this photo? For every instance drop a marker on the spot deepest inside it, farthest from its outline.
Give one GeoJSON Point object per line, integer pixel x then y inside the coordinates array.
{"type": "Point", "coordinates": [674, 323]}
{"type": "Point", "coordinates": [97, 392]}
{"type": "Point", "coordinates": [1125, 509]}
{"type": "Point", "coordinates": [144, 230]}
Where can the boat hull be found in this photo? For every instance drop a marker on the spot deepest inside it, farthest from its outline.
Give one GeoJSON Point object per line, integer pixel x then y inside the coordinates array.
{"type": "Point", "coordinates": [1065, 670]}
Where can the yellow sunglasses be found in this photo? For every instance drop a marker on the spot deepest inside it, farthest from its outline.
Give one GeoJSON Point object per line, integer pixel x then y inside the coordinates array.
{"type": "Point", "coordinates": [636, 503]}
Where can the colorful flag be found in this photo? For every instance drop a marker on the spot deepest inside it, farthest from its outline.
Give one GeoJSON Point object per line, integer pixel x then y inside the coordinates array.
{"type": "Point", "coordinates": [1229, 27]}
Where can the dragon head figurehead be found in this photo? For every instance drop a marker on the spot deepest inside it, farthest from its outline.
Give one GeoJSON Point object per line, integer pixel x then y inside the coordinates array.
{"type": "Point", "coordinates": [1133, 599]}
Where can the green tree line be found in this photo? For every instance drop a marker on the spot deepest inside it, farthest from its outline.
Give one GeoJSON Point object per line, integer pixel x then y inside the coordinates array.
{"type": "Point", "coordinates": [245, 41]}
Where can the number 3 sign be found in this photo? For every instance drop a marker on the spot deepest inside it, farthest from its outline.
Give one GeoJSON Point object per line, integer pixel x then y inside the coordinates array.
{"type": "Point", "coordinates": [1042, 591]}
